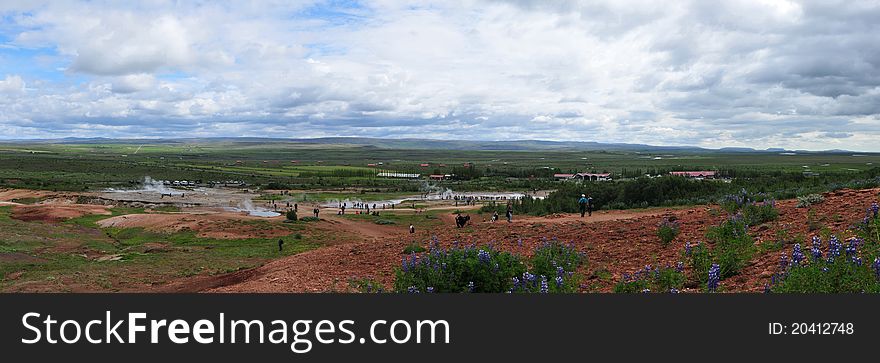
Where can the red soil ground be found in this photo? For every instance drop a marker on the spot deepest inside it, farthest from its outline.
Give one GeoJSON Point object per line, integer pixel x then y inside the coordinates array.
{"type": "Point", "coordinates": [616, 242]}
{"type": "Point", "coordinates": [55, 212]}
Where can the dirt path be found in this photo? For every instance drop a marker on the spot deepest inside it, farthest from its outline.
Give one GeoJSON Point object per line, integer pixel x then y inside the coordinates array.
{"type": "Point", "coordinates": [330, 268]}
{"type": "Point", "coordinates": [368, 230]}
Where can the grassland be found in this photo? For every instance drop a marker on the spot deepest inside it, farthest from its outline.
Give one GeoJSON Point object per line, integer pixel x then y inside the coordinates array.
{"type": "Point", "coordinates": [78, 255]}
{"type": "Point", "coordinates": [344, 167]}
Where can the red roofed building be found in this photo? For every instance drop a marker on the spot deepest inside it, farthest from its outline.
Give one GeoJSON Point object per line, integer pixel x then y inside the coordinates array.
{"type": "Point", "coordinates": [705, 174]}
{"type": "Point", "coordinates": [425, 165]}
{"type": "Point", "coordinates": [563, 176]}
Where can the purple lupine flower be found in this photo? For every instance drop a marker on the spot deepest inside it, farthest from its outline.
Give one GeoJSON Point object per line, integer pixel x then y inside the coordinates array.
{"type": "Point", "coordinates": [673, 291]}
{"type": "Point", "coordinates": [783, 262]}
{"type": "Point", "coordinates": [875, 208]}
{"type": "Point", "coordinates": [544, 288]}
{"type": "Point", "coordinates": [833, 248]}
{"type": "Point", "coordinates": [796, 255]}
{"type": "Point", "coordinates": [876, 266]}
{"type": "Point", "coordinates": [483, 256]}
{"type": "Point", "coordinates": [687, 249]}
{"type": "Point", "coordinates": [559, 281]}
{"type": "Point", "coordinates": [429, 289]}
{"type": "Point", "coordinates": [816, 249]}
{"type": "Point", "coordinates": [679, 266]}
{"type": "Point", "coordinates": [412, 290]}
{"type": "Point", "coordinates": [470, 286]}
{"type": "Point", "coordinates": [714, 277]}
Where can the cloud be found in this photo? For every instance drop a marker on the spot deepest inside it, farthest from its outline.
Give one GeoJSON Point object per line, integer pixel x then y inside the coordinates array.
{"type": "Point", "coordinates": [12, 84]}
{"type": "Point", "coordinates": [758, 73]}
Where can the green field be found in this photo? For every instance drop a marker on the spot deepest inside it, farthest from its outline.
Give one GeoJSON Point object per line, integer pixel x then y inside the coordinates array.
{"type": "Point", "coordinates": [306, 166]}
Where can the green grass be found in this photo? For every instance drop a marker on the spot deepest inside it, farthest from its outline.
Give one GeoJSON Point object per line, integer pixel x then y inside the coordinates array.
{"type": "Point", "coordinates": [58, 250]}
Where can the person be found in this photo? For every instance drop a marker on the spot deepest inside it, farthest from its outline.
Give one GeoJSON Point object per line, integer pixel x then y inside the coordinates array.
{"type": "Point", "coordinates": [590, 206]}
{"type": "Point", "coordinates": [280, 245]}
{"type": "Point", "coordinates": [412, 229]}
{"type": "Point", "coordinates": [509, 213]}
{"type": "Point", "coordinates": [495, 216]}
{"type": "Point", "coordinates": [316, 212]}
{"type": "Point", "coordinates": [295, 206]}
{"type": "Point", "coordinates": [582, 204]}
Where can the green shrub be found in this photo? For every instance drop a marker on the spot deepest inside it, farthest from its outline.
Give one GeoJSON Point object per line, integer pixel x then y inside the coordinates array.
{"type": "Point", "coordinates": [413, 248]}
{"type": "Point", "coordinates": [468, 269]}
{"type": "Point", "coordinates": [556, 260]}
{"type": "Point", "coordinates": [733, 246]}
{"type": "Point", "coordinates": [367, 286]}
{"type": "Point", "coordinates": [837, 270]}
{"type": "Point", "coordinates": [699, 259]}
{"type": "Point", "coordinates": [384, 222]}
{"type": "Point", "coordinates": [484, 269]}
{"type": "Point", "coordinates": [809, 199]}
{"type": "Point", "coordinates": [309, 219]}
{"type": "Point", "coordinates": [291, 215]}
{"type": "Point", "coordinates": [760, 213]}
{"type": "Point", "coordinates": [667, 230]}
{"type": "Point", "coordinates": [667, 279]}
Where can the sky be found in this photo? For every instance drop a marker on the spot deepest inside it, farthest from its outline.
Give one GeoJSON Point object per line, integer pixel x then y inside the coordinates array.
{"type": "Point", "coordinates": [762, 73]}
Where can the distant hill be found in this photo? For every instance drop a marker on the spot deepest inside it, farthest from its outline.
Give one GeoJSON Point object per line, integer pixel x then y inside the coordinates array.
{"type": "Point", "coordinates": [419, 144]}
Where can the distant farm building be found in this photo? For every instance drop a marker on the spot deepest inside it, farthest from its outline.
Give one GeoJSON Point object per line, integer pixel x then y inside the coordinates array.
{"type": "Point", "coordinates": [371, 164]}
{"type": "Point", "coordinates": [584, 176]}
{"type": "Point", "coordinates": [563, 176]}
{"type": "Point", "coordinates": [439, 176]}
{"type": "Point", "coordinates": [424, 165]}
{"type": "Point", "coordinates": [704, 174]}
{"type": "Point", "coordinates": [399, 175]}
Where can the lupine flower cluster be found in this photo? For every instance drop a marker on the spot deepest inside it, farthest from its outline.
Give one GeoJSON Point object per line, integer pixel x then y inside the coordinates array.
{"type": "Point", "coordinates": [876, 267]}
{"type": "Point", "coordinates": [875, 208]}
{"type": "Point", "coordinates": [852, 250]}
{"type": "Point", "coordinates": [816, 249]}
{"type": "Point", "coordinates": [784, 264]}
{"type": "Point", "coordinates": [796, 255]}
{"type": "Point", "coordinates": [714, 277]}
{"type": "Point", "coordinates": [833, 248]}
{"type": "Point", "coordinates": [468, 268]}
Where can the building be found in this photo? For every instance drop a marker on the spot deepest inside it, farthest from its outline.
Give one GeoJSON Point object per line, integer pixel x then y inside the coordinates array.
{"type": "Point", "coordinates": [704, 174]}
{"type": "Point", "coordinates": [399, 175]}
{"type": "Point", "coordinates": [424, 165]}
{"type": "Point", "coordinates": [593, 176]}
{"type": "Point", "coordinates": [439, 176]}
{"type": "Point", "coordinates": [584, 176]}
{"type": "Point", "coordinates": [563, 176]}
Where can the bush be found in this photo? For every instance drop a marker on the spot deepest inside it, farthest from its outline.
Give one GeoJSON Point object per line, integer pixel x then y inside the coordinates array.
{"type": "Point", "coordinates": [291, 215]}
{"type": "Point", "coordinates": [384, 222]}
{"type": "Point", "coordinates": [667, 279]}
{"type": "Point", "coordinates": [413, 248]}
{"type": "Point", "coordinates": [309, 219]}
{"type": "Point", "coordinates": [667, 230]}
{"type": "Point", "coordinates": [760, 213]}
{"type": "Point", "coordinates": [733, 246]}
{"type": "Point", "coordinates": [468, 269]}
{"type": "Point", "coordinates": [367, 286]}
{"type": "Point", "coordinates": [828, 272]}
{"type": "Point", "coordinates": [809, 199]}
{"type": "Point", "coordinates": [699, 259]}
{"type": "Point", "coordinates": [484, 269]}
{"type": "Point", "coordinates": [554, 259]}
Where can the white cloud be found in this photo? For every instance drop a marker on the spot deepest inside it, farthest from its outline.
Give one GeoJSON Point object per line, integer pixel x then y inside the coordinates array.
{"type": "Point", "coordinates": [720, 74]}
{"type": "Point", "coordinates": [12, 84]}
